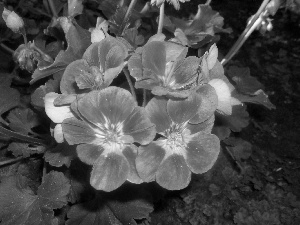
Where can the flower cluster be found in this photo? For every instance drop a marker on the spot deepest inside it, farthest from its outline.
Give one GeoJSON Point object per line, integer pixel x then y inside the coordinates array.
{"type": "Point", "coordinates": [165, 141]}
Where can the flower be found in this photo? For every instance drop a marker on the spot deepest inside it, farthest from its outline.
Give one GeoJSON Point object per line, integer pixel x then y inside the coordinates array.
{"type": "Point", "coordinates": [57, 114]}
{"type": "Point", "coordinates": [161, 67]}
{"type": "Point", "coordinates": [110, 122]}
{"type": "Point", "coordinates": [13, 20]}
{"type": "Point", "coordinates": [185, 146]}
{"type": "Point", "coordinates": [100, 31]}
{"type": "Point", "coordinates": [175, 3]}
{"type": "Point", "coordinates": [100, 64]}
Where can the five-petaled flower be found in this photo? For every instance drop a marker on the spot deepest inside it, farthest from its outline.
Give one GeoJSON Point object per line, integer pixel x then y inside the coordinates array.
{"type": "Point", "coordinates": [109, 123]}
{"type": "Point", "coordinates": [186, 144]}
{"type": "Point", "coordinates": [163, 68]}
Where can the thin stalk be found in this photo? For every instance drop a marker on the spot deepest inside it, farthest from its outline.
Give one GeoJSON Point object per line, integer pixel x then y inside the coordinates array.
{"type": "Point", "coordinates": [10, 161]}
{"type": "Point", "coordinates": [6, 48]}
{"type": "Point", "coordinates": [52, 8]}
{"type": "Point", "coordinates": [22, 137]}
{"type": "Point", "coordinates": [144, 97]}
{"type": "Point", "coordinates": [127, 15]}
{"type": "Point", "coordinates": [127, 75]}
{"type": "Point", "coordinates": [238, 44]}
{"type": "Point", "coordinates": [161, 18]}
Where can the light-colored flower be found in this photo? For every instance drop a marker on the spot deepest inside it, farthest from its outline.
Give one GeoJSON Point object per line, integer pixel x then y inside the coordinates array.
{"type": "Point", "coordinates": [100, 31]}
{"type": "Point", "coordinates": [57, 114]}
{"type": "Point", "coordinates": [110, 122]}
{"type": "Point", "coordinates": [13, 20]}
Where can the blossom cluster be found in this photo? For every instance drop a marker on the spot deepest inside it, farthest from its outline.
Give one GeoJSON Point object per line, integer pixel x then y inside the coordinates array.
{"type": "Point", "coordinates": [165, 141]}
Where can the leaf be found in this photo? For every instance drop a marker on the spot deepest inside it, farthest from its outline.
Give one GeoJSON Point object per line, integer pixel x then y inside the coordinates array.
{"type": "Point", "coordinates": [19, 206]}
{"type": "Point", "coordinates": [75, 7]}
{"type": "Point", "coordinates": [22, 120]}
{"type": "Point", "coordinates": [240, 148]}
{"type": "Point", "coordinates": [237, 120]}
{"type": "Point", "coordinates": [61, 155]}
{"type": "Point", "coordinates": [259, 97]}
{"type": "Point", "coordinates": [202, 28]}
{"type": "Point", "coordinates": [52, 85]}
{"type": "Point", "coordinates": [24, 149]}
{"type": "Point", "coordinates": [78, 40]}
{"type": "Point", "coordinates": [245, 83]}
{"type": "Point", "coordinates": [116, 208]}
{"type": "Point", "coordinates": [9, 98]}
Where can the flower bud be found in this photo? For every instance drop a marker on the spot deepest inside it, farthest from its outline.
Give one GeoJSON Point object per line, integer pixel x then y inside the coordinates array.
{"type": "Point", "coordinates": [25, 57]}
{"type": "Point", "coordinates": [12, 20]}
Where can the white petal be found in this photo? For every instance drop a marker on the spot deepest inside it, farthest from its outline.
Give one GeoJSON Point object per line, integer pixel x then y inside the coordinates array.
{"type": "Point", "coordinates": [224, 96]}
{"type": "Point", "coordinates": [58, 133]}
{"type": "Point", "coordinates": [56, 114]}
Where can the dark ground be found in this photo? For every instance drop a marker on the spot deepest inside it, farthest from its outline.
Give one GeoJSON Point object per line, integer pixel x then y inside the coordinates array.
{"type": "Point", "coordinates": [269, 190]}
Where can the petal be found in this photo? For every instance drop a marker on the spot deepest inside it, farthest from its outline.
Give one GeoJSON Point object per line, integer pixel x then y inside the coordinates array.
{"type": "Point", "coordinates": [138, 126]}
{"type": "Point", "coordinates": [154, 57]}
{"type": "Point", "coordinates": [156, 110]}
{"type": "Point", "coordinates": [202, 152]}
{"type": "Point", "coordinates": [148, 160]}
{"type": "Point", "coordinates": [88, 153]}
{"type": "Point", "coordinates": [205, 126]}
{"type": "Point", "coordinates": [109, 172]}
{"type": "Point", "coordinates": [91, 54]}
{"type": "Point", "coordinates": [77, 132]}
{"type": "Point", "coordinates": [224, 96]}
{"type": "Point", "coordinates": [111, 104]}
{"type": "Point", "coordinates": [181, 111]}
{"type": "Point", "coordinates": [209, 104]}
{"type": "Point", "coordinates": [130, 152]}
{"type": "Point", "coordinates": [186, 71]}
{"type": "Point", "coordinates": [56, 113]}
{"type": "Point", "coordinates": [135, 66]}
{"type": "Point", "coordinates": [173, 173]}
{"type": "Point", "coordinates": [58, 133]}
{"type": "Point", "coordinates": [68, 81]}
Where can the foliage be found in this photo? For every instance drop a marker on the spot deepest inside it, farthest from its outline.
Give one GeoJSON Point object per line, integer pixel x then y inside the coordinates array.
{"type": "Point", "coordinates": [123, 105]}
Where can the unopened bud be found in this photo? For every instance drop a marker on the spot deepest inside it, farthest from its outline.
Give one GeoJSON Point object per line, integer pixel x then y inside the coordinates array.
{"type": "Point", "coordinates": [12, 20]}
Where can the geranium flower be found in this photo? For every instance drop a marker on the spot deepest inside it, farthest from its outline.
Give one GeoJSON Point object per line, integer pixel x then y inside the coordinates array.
{"type": "Point", "coordinates": [110, 122]}
{"type": "Point", "coordinates": [57, 114]}
{"type": "Point", "coordinates": [185, 146]}
{"type": "Point", "coordinates": [161, 67]}
{"type": "Point", "coordinates": [100, 64]}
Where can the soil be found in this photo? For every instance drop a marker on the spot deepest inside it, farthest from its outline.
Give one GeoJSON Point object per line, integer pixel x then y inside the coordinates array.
{"type": "Point", "coordinates": [265, 188]}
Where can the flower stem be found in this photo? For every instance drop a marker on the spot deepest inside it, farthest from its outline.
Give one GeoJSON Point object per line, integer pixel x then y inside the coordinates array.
{"type": "Point", "coordinates": [22, 137]}
{"type": "Point", "coordinates": [52, 8]}
{"type": "Point", "coordinates": [246, 33]}
{"type": "Point", "coordinates": [144, 97]}
{"type": "Point", "coordinates": [127, 15]}
{"type": "Point", "coordinates": [161, 18]}
{"type": "Point", "coordinates": [126, 72]}
{"type": "Point", "coordinates": [6, 48]}
{"type": "Point", "coordinates": [10, 161]}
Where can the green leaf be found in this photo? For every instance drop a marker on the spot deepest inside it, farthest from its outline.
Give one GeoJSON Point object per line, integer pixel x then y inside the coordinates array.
{"type": "Point", "coordinates": [78, 40]}
{"type": "Point", "coordinates": [202, 28]}
{"type": "Point", "coordinates": [24, 149]}
{"type": "Point", "coordinates": [19, 206]}
{"type": "Point", "coordinates": [116, 208]}
{"type": "Point", "coordinates": [245, 83]}
{"type": "Point", "coordinates": [240, 148]}
{"type": "Point", "coordinates": [61, 155]}
{"type": "Point", "coordinates": [258, 97]}
{"type": "Point", "coordinates": [23, 120]}
{"type": "Point", "coordinates": [9, 98]}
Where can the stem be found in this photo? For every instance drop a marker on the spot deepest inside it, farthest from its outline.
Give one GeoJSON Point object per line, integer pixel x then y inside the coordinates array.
{"type": "Point", "coordinates": [52, 8]}
{"type": "Point", "coordinates": [22, 137]}
{"type": "Point", "coordinates": [6, 48]}
{"type": "Point", "coordinates": [208, 2]}
{"type": "Point", "coordinates": [126, 72]}
{"type": "Point", "coordinates": [10, 161]}
{"type": "Point", "coordinates": [127, 15]}
{"type": "Point", "coordinates": [144, 97]}
{"type": "Point", "coordinates": [161, 18]}
{"type": "Point", "coordinates": [238, 44]}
